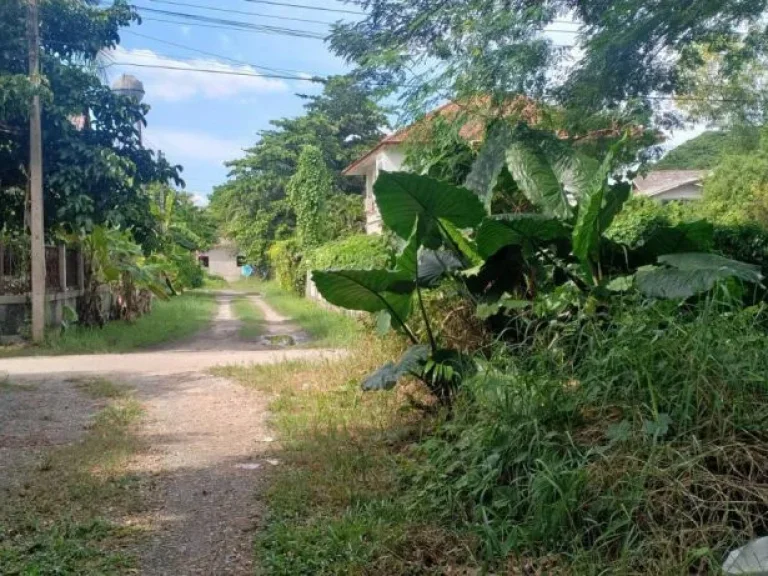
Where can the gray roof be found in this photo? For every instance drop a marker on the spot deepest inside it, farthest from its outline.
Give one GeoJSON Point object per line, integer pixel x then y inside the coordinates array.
{"type": "Point", "coordinates": [660, 181]}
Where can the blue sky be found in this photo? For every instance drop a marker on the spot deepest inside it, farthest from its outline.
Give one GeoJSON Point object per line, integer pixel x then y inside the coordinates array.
{"type": "Point", "coordinates": [201, 120]}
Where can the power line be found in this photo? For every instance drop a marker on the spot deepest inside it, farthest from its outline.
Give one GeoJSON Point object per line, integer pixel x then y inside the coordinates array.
{"type": "Point", "coordinates": [222, 72]}
{"type": "Point", "coordinates": [230, 28]}
{"type": "Point", "coordinates": [236, 23]}
{"type": "Point", "coordinates": [214, 54]}
{"type": "Point", "coordinates": [243, 12]}
{"type": "Point", "coordinates": [306, 7]}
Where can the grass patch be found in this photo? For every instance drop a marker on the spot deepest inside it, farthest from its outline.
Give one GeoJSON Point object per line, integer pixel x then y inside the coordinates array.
{"type": "Point", "coordinates": [335, 505]}
{"type": "Point", "coordinates": [326, 327]}
{"type": "Point", "coordinates": [170, 320]}
{"type": "Point", "coordinates": [101, 388]}
{"type": "Point", "coordinates": [213, 282]}
{"type": "Point", "coordinates": [64, 519]}
{"type": "Point", "coordinates": [251, 317]}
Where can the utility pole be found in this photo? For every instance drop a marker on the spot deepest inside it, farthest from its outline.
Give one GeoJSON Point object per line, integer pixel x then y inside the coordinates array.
{"type": "Point", "coordinates": [37, 251]}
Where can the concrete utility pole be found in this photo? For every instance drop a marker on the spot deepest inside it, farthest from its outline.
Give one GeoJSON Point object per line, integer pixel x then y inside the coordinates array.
{"type": "Point", "coordinates": [37, 251]}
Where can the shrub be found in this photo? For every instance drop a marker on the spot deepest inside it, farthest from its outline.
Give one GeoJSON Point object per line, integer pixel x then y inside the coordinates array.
{"type": "Point", "coordinates": [285, 261]}
{"type": "Point", "coordinates": [353, 252]}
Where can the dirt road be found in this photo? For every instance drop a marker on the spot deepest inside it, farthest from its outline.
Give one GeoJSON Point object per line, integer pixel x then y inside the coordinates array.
{"type": "Point", "coordinates": [207, 437]}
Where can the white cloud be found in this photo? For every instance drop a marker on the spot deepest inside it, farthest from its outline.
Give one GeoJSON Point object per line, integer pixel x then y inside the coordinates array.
{"type": "Point", "coordinates": [199, 200]}
{"type": "Point", "coordinates": [187, 147]}
{"type": "Point", "coordinates": [184, 84]}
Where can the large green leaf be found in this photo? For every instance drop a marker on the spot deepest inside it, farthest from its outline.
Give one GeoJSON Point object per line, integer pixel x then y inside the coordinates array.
{"type": "Point", "coordinates": [487, 167]}
{"type": "Point", "coordinates": [586, 232]}
{"type": "Point", "coordinates": [616, 195]}
{"type": "Point", "coordinates": [682, 276]}
{"type": "Point", "coordinates": [387, 377]}
{"type": "Point", "coordinates": [517, 229]}
{"type": "Point", "coordinates": [536, 177]}
{"type": "Point", "coordinates": [367, 290]}
{"type": "Point", "coordinates": [404, 198]}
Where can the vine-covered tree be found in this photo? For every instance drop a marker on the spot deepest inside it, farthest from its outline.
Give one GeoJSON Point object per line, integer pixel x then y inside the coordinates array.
{"type": "Point", "coordinates": [309, 190]}
{"type": "Point", "coordinates": [95, 168]}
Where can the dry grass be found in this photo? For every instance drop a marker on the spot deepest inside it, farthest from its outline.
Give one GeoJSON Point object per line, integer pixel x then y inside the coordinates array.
{"type": "Point", "coordinates": [66, 517]}
{"type": "Point", "coordinates": [335, 503]}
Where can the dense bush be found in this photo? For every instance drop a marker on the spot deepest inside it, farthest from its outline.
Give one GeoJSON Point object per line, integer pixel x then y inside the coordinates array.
{"type": "Point", "coordinates": [641, 450]}
{"type": "Point", "coordinates": [359, 251]}
{"type": "Point", "coordinates": [285, 262]}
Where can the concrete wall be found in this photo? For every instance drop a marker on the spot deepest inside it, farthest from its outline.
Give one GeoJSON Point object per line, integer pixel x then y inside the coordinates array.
{"type": "Point", "coordinates": [312, 293]}
{"type": "Point", "coordinates": [222, 261]}
{"type": "Point", "coordinates": [15, 311]}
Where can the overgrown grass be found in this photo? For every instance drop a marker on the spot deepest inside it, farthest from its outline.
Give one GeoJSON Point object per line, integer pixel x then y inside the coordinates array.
{"type": "Point", "coordinates": [335, 500]}
{"type": "Point", "coordinates": [629, 447]}
{"type": "Point", "coordinates": [65, 517]}
{"type": "Point", "coordinates": [175, 319]}
{"type": "Point", "coordinates": [326, 327]}
{"type": "Point", "coordinates": [251, 317]}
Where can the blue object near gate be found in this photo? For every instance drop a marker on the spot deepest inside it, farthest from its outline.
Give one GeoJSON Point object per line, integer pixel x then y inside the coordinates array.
{"type": "Point", "coordinates": [247, 270]}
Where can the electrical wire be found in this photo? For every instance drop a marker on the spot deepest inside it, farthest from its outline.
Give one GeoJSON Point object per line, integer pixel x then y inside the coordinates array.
{"type": "Point", "coordinates": [222, 72]}
{"type": "Point", "coordinates": [213, 54]}
{"type": "Point", "coordinates": [307, 7]}
{"type": "Point", "coordinates": [241, 12]}
{"type": "Point", "coordinates": [238, 24]}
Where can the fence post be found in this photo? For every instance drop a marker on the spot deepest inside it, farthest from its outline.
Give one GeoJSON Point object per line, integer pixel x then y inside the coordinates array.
{"type": "Point", "coordinates": [2, 266]}
{"type": "Point", "coordinates": [62, 267]}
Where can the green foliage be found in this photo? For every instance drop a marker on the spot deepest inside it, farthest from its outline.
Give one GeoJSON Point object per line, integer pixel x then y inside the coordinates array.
{"type": "Point", "coordinates": [737, 191]}
{"type": "Point", "coordinates": [576, 447]}
{"type": "Point", "coordinates": [253, 208]}
{"type": "Point", "coordinates": [285, 262]}
{"type": "Point", "coordinates": [506, 54]}
{"type": "Point", "coordinates": [353, 252]}
{"type": "Point", "coordinates": [701, 153]}
{"type": "Point", "coordinates": [95, 173]}
{"type": "Point", "coordinates": [541, 265]}
{"type": "Point", "coordinates": [308, 191]}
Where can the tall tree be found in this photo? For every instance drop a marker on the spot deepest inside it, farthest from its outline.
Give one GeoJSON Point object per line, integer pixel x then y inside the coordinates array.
{"type": "Point", "coordinates": [309, 190]}
{"type": "Point", "coordinates": [95, 166]}
{"type": "Point", "coordinates": [342, 123]}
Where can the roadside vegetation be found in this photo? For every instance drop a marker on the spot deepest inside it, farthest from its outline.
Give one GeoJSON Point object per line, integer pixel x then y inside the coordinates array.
{"type": "Point", "coordinates": [67, 516]}
{"type": "Point", "coordinates": [170, 320]}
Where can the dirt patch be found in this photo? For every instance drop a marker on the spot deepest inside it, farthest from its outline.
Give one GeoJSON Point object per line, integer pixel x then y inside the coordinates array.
{"type": "Point", "coordinates": [34, 417]}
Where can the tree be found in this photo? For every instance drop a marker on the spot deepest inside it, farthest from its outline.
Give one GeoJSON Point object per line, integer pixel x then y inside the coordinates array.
{"type": "Point", "coordinates": [253, 208]}
{"type": "Point", "coordinates": [95, 166]}
{"type": "Point", "coordinates": [309, 190]}
{"type": "Point", "coordinates": [707, 150]}
{"type": "Point", "coordinates": [632, 50]}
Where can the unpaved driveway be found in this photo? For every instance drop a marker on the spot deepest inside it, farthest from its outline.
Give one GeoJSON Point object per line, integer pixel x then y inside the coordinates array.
{"type": "Point", "coordinates": [207, 439]}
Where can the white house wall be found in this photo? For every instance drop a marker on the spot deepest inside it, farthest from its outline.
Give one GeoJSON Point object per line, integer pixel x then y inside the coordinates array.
{"type": "Point", "coordinates": [390, 159]}
{"type": "Point", "coordinates": [687, 192]}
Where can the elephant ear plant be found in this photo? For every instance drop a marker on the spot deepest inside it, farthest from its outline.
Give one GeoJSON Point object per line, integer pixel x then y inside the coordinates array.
{"type": "Point", "coordinates": [505, 262]}
{"type": "Point", "coordinates": [428, 216]}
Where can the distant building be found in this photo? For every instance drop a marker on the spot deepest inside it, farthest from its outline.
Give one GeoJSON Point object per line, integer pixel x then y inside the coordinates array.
{"type": "Point", "coordinates": [670, 185]}
{"type": "Point", "coordinates": [221, 261]}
